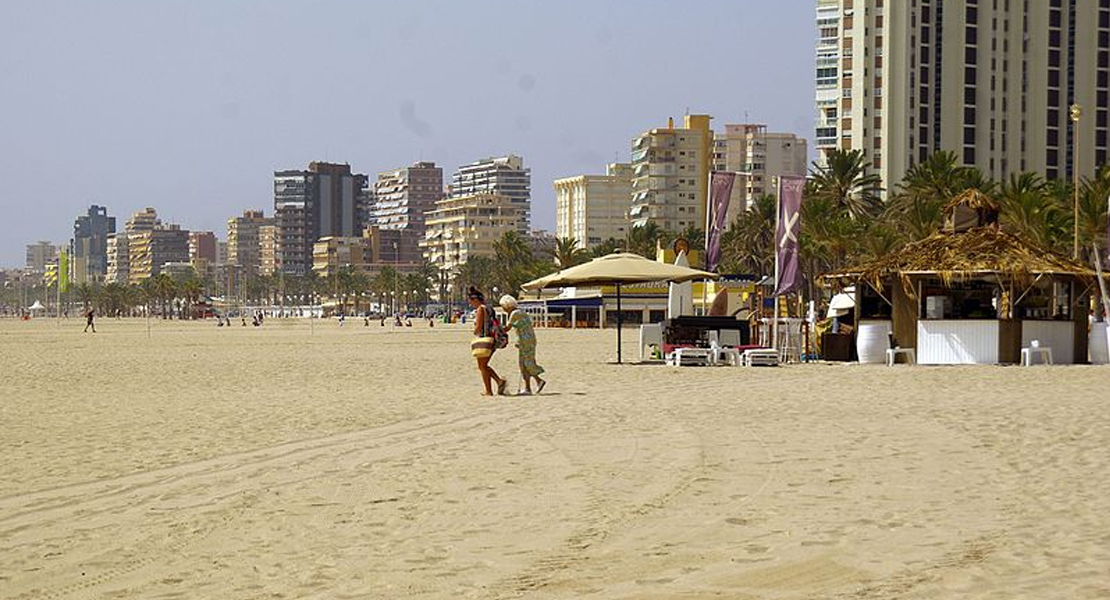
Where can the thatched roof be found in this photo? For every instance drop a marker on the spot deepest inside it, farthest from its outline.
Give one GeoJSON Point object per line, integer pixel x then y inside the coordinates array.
{"type": "Point", "coordinates": [955, 256]}
{"type": "Point", "coordinates": [973, 199]}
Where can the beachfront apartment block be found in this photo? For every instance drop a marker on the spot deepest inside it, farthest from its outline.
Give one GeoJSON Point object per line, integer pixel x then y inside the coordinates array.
{"type": "Point", "coordinates": [503, 176]}
{"type": "Point", "coordinates": [324, 200]}
{"type": "Point", "coordinates": [331, 254]}
{"type": "Point", "coordinates": [244, 248]}
{"type": "Point", "coordinates": [40, 254]}
{"type": "Point", "coordinates": [991, 81]}
{"type": "Point", "coordinates": [376, 248]}
{"type": "Point", "coordinates": [150, 250]}
{"type": "Point", "coordinates": [759, 158]}
{"type": "Point", "coordinates": [462, 227]}
{"type": "Point", "coordinates": [594, 208]}
{"type": "Point", "coordinates": [119, 270]}
{"type": "Point", "coordinates": [89, 255]}
{"type": "Point", "coordinates": [267, 250]}
{"type": "Point", "coordinates": [402, 196]}
{"type": "Point", "coordinates": [202, 246]}
{"type": "Point", "coordinates": [670, 174]}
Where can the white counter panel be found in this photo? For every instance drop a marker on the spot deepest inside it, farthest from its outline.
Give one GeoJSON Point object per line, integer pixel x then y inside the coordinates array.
{"type": "Point", "coordinates": [1058, 335]}
{"type": "Point", "coordinates": [960, 342]}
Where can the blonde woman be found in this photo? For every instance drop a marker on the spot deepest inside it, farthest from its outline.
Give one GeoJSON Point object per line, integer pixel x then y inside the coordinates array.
{"type": "Point", "coordinates": [526, 343]}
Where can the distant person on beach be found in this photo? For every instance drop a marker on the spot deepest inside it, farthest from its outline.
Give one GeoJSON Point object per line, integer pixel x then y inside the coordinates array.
{"type": "Point", "coordinates": [526, 344]}
{"type": "Point", "coordinates": [482, 347]}
{"type": "Point", "coordinates": [89, 315]}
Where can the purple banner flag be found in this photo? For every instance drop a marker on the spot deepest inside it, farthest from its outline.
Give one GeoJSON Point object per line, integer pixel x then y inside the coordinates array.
{"type": "Point", "coordinates": [788, 272]}
{"type": "Point", "coordinates": [720, 191]}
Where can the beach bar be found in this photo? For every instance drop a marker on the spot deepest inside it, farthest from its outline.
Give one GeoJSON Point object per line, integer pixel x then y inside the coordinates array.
{"type": "Point", "coordinates": [971, 294]}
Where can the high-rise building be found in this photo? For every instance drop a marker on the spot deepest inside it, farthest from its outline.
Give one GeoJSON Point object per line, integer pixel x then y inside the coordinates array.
{"type": "Point", "coordinates": [462, 227]}
{"type": "Point", "coordinates": [119, 244]}
{"type": "Point", "coordinates": [330, 254]}
{"type": "Point", "coordinates": [759, 157]}
{"type": "Point", "coordinates": [39, 255]}
{"type": "Point", "coordinates": [504, 176]}
{"type": "Point", "coordinates": [243, 243]}
{"type": "Point", "coordinates": [267, 250]}
{"type": "Point", "coordinates": [149, 250]}
{"type": "Point", "coordinates": [321, 201]}
{"type": "Point", "coordinates": [990, 81]}
{"type": "Point", "coordinates": [393, 246]}
{"type": "Point", "coordinates": [90, 244]}
{"type": "Point", "coordinates": [594, 208]}
{"type": "Point", "coordinates": [202, 246]}
{"type": "Point", "coordinates": [402, 196]}
{"type": "Point", "coordinates": [670, 174]}
{"type": "Point", "coordinates": [119, 264]}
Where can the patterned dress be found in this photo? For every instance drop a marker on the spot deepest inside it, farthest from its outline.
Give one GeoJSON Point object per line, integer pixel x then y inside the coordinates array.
{"type": "Point", "coordinates": [526, 342]}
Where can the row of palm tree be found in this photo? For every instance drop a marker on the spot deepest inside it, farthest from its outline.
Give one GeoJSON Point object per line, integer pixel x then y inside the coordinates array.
{"type": "Point", "coordinates": [845, 219]}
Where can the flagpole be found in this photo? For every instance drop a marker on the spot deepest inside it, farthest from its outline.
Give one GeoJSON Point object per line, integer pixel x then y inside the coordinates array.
{"type": "Point", "coordinates": [705, 252]}
{"type": "Point", "coordinates": [775, 248]}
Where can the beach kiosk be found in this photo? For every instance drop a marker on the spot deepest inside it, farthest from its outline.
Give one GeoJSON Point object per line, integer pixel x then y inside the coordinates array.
{"type": "Point", "coordinates": [970, 294]}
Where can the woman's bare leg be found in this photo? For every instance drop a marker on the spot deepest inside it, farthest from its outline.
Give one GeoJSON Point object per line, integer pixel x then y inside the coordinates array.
{"type": "Point", "coordinates": [486, 372]}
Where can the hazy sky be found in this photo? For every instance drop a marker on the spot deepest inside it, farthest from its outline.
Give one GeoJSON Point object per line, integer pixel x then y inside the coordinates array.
{"type": "Point", "coordinates": [189, 107]}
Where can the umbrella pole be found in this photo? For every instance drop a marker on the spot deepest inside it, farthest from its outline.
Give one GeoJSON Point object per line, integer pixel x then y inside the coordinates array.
{"type": "Point", "coordinates": [618, 323]}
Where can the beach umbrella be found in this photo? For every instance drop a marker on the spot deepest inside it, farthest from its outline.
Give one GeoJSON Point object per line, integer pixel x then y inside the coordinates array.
{"type": "Point", "coordinates": [618, 269]}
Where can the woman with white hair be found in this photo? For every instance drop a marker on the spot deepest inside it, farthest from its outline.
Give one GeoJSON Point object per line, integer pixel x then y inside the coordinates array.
{"type": "Point", "coordinates": [526, 343]}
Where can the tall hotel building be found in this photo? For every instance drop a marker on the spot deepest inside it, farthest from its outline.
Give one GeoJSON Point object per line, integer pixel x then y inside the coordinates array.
{"type": "Point", "coordinates": [505, 176]}
{"type": "Point", "coordinates": [670, 174]}
{"type": "Point", "coordinates": [402, 196]}
{"type": "Point", "coordinates": [991, 80]}
{"type": "Point", "coordinates": [322, 201]}
{"type": "Point", "coordinates": [594, 208]}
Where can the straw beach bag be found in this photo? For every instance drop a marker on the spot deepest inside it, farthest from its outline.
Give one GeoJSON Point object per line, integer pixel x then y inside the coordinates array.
{"type": "Point", "coordinates": [481, 347]}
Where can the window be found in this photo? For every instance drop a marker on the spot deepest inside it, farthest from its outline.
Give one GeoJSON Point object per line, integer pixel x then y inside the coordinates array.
{"type": "Point", "coordinates": [969, 155]}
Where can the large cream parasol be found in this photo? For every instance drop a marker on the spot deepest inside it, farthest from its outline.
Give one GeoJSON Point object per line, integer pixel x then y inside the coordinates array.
{"type": "Point", "coordinates": [618, 269]}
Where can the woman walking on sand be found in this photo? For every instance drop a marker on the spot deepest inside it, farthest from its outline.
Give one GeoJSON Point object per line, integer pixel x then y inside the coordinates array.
{"type": "Point", "coordinates": [526, 343]}
{"type": "Point", "coordinates": [483, 345]}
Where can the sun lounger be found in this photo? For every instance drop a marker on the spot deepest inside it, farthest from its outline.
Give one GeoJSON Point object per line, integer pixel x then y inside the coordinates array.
{"type": "Point", "coordinates": [760, 357]}
{"type": "Point", "coordinates": [681, 357]}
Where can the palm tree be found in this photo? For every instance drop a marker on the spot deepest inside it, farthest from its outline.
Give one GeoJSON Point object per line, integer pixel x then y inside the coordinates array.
{"type": "Point", "coordinates": [164, 288]}
{"type": "Point", "coordinates": [477, 271]}
{"type": "Point", "coordinates": [191, 290]}
{"type": "Point", "coordinates": [746, 246]}
{"type": "Point", "coordinates": [568, 254]}
{"type": "Point", "coordinates": [644, 239]}
{"type": "Point", "coordinates": [845, 181]}
{"type": "Point", "coordinates": [514, 260]}
{"type": "Point", "coordinates": [1030, 211]}
{"type": "Point", "coordinates": [86, 293]}
{"type": "Point", "coordinates": [609, 246]}
{"type": "Point", "coordinates": [1093, 195]}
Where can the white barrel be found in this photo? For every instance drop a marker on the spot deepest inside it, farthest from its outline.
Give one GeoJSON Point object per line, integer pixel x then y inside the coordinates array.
{"type": "Point", "coordinates": [1098, 345]}
{"type": "Point", "coordinates": [872, 341]}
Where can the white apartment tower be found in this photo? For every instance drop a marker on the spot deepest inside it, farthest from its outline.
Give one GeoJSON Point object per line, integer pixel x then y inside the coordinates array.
{"type": "Point", "coordinates": [594, 208]}
{"type": "Point", "coordinates": [991, 80]}
{"type": "Point", "coordinates": [505, 176]}
{"type": "Point", "coordinates": [760, 157]}
{"type": "Point", "coordinates": [670, 174]}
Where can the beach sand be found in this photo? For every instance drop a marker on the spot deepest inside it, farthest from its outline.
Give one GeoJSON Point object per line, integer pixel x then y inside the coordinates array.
{"type": "Point", "coordinates": [361, 462]}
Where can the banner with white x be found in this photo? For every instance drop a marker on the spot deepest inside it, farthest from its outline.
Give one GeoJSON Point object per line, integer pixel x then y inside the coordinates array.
{"type": "Point", "coordinates": [788, 274]}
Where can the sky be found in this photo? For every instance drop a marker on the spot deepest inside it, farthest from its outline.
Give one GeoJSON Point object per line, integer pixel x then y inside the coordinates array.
{"type": "Point", "coordinates": [190, 106]}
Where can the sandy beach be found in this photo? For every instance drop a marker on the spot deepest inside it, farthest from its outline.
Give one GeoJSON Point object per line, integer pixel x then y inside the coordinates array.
{"type": "Point", "coordinates": [361, 462]}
